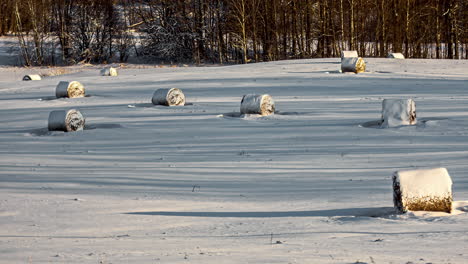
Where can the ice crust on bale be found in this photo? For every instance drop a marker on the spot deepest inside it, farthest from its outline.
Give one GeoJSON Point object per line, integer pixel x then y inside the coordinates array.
{"type": "Point", "coordinates": [168, 97]}
{"type": "Point", "coordinates": [257, 104]}
{"type": "Point", "coordinates": [422, 190]}
{"type": "Point", "coordinates": [396, 56]}
{"type": "Point", "coordinates": [32, 77]}
{"type": "Point", "coordinates": [353, 64]}
{"type": "Point", "coordinates": [109, 71]}
{"type": "Point", "coordinates": [66, 120]}
{"type": "Point", "coordinates": [398, 112]}
{"type": "Point", "coordinates": [70, 89]}
{"type": "Point", "coordinates": [349, 54]}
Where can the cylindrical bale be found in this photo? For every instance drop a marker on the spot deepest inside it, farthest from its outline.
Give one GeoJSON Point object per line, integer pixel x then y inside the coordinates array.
{"type": "Point", "coordinates": [398, 112]}
{"type": "Point", "coordinates": [66, 120]}
{"type": "Point", "coordinates": [349, 54]}
{"type": "Point", "coordinates": [69, 89]}
{"type": "Point", "coordinates": [261, 104]}
{"type": "Point", "coordinates": [109, 71]}
{"type": "Point", "coordinates": [353, 64]}
{"type": "Point", "coordinates": [422, 190]}
{"type": "Point", "coordinates": [168, 97]}
{"type": "Point", "coordinates": [396, 56]}
{"type": "Point", "coordinates": [32, 77]}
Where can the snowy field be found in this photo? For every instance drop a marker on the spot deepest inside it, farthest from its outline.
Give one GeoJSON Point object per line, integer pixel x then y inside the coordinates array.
{"type": "Point", "coordinates": [196, 184]}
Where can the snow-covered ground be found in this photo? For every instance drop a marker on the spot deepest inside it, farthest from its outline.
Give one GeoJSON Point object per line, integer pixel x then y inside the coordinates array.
{"type": "Point", "coordinates": [197, 184]}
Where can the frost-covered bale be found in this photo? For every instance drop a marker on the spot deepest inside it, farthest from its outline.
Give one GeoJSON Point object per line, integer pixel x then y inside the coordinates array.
{"type": "Point", "coordinates": [396, 56]}
{"type": "Point", "coordinates": [69, 89]}
{"type": "Point", "coordinates": [109, 71]}
{"type": "Point", "coordinates": [257, 104]}
{"type": "Point", "coordinates": [168, 97]}
{"type": "Point", "coordinates": [422, 190]}
{"type": "Point", "coordinates": [398, 112]}
{"type": "Point", "coordinates": [349, 54]}
{"type": "Point", "coordinates": [32, 77]}
{"type": "Point", "coordinates": [66, 120]}
{"type": "Point", "coordinates": [353, 64]}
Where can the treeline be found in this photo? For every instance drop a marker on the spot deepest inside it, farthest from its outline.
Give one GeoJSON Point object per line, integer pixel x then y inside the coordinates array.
{"type": "Point", "coordinates": [233, 31]}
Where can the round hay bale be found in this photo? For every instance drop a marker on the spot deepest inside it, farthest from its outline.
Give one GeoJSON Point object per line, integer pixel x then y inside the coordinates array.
{"type": "Point", "coordinates": [257, 104]}
{"type": "Point", "coordinates": [66, 120]}
{"type": "Point", "coordinates": [398, 112]}
{"type": "Point", "coordinates": [109, 71]}
{"type": "Point", "coordinates": [32, 77]}
{"type": "Point", "coordinates": [422, 190]}
{"type": "Point", "coordinates": [396, 56]}
{"type": "Point", "coordinates": [353, 64]}
{"type": "Point", "coordinates": [168, 97]}
{"type": "Point", "coordinates": [69, 89]}
{"type": "Point", "coordinates": [349, 54]}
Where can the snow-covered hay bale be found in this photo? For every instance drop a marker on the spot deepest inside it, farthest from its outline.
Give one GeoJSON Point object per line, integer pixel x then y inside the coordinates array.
{"type": "Point", "coordinates": [349, 54]}
{"type": "Point", "coordinates": [257, 104]}
{"type": "Point", "coordinates": [396, 56]}
{"type": "Point", "coordinates": [422, 190]}
{"type": "Point", "coordinates": [168, 97]}
{"type": "Point", "coordinates": [32, 77]}
{"type": "Point", "coordinates": [69, 89]}
{"type": "Point", "coordinates": [109, 71]}
{"type": "Point", "coordinates": [398, 112]}
{"type": "Point", "coordinates": [353, 64]}
{"type": "Point", "coordinates": [66, 120]}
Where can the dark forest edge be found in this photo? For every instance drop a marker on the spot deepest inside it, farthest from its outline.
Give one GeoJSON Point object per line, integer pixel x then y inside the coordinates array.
{"type": "Point", "coordinates": [66, 32]}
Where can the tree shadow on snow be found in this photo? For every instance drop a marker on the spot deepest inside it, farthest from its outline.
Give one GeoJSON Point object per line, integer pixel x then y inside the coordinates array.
{"type": "Point", "coordinates": [349, 212]}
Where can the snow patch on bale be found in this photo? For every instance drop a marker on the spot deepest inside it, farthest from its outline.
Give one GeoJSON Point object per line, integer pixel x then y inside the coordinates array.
{"type": "Point", "coordinates": [66, 120]}
{"type": "Point", "coordinates": [257, 104]}
{"type": "Point", "coordinates": [109, 71]}
{"type": "Point", "coordinates": [69, 89]}
{"type": "Point", "coordinates": [349, 54]}
{"type": "Point", "coordinates": [168, 97]}
{"type": "Point", "coordinates": [353, 64]}
{"type": "Point", "coordinates": [32, 77]}
{"type": "Point", "coordinates": [398, 112]}
{"type": "Point", "coordinates": [396, 56]}
{"type": "Point", "coordinates": [422, 190]}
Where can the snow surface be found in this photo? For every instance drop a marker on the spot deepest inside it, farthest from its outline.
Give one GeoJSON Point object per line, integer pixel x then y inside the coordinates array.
{"type": "Point", "coordinates": [426, 182]}
{"type": "Point", "coordinates": [199, 184]}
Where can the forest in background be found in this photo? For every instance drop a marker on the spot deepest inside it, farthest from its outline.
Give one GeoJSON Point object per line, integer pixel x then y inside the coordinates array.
{"type": "Point", "coordinates": [63, 32]}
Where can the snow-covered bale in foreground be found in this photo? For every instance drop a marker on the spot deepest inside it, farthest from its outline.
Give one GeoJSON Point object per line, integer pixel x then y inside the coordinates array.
{"type": "Point", "coordinates": [69, 89]}
{"type": "Point", "coordinates": [422, 190]}
{"type": "Point", "coordinates": [168, 97]}
{"type": "Point", "coordinates": [66, 120]}
{"type": "Point", "coordinates": [32, 77]}
{"type": "Point", "coordinates": [349, 54]}
{"type": "Point", "coordinates": [396, 56]}
{"type": "Point", "coordinates": [109, 71]}
{"type": "Point", "coordinates": [261, 104]}
{"type": "Point", "coordinates": [398, 112]}
{"type": "Point", "coordinates": [353, 64]}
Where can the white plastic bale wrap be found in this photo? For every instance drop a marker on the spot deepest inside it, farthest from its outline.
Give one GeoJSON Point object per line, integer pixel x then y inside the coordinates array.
{"type": "Point", "coordinates": [66, 120]}
{"type": "Point", "coordinates": [398, 112]}
{"type": "Point", "coordinates": [257, 104]}
{"type": "Point", "coordinates": [396, 56]}
{"type": "Point", "coordinates": [69, 89]}
{"type": "Point", "coordinates": [353, 64]}
{"type": "Point", "coordinates": [109, 71]}
{"type": "Point", "coordinates": [349, 54]}
{"type": "Point", "coordinates": [32, 77]}
{"type": "Point", "coordinates": [168, 97]}
{"type": "Point", "coordinates": [422, 190]}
